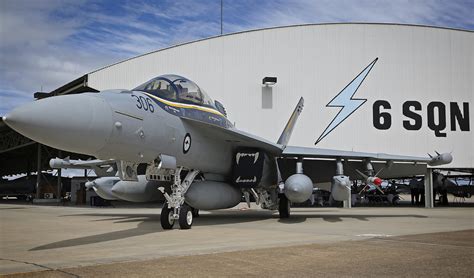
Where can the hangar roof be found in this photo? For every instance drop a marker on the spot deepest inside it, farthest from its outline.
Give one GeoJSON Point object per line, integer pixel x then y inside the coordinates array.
{"type": "Point", "coordinates": [80, 85]}
{"type": "Point", "coordinates": [76, 86]}
{"type": "Point", "coordinates": [281, 27]}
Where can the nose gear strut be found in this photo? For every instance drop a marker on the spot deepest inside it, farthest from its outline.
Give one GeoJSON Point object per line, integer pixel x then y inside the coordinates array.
{"type": "Point", "coordinates": [175, 207]}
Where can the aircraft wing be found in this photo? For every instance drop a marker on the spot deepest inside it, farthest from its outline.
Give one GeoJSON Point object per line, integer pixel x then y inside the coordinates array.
{"type": "Point", "coordinates": [236, 137]}
{"type": "Point", "coordinates": [292, 151]}
{"type": "Point", "coordinates": [322, 170]}
{"type": "Point", "coordinates": [321, 165]}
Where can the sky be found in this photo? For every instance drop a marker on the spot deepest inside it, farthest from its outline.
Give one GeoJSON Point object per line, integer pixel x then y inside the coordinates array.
{"type": "Point", "coordinates": [44, 44]}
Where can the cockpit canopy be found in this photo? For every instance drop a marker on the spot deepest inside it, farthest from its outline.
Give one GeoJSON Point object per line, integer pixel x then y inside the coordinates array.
{"type": "Point", "coordinates": [176, 88]}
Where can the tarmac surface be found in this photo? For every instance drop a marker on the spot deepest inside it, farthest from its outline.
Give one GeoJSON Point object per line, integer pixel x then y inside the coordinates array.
{"type": "Point", "coordinates": [57, 241]}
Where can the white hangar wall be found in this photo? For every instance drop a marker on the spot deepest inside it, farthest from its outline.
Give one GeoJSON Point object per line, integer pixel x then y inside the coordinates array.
{"type": "Point", "coordinates": [416, 63]}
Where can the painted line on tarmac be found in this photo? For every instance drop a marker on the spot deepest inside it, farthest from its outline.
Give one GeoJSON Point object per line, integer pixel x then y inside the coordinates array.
{"type": "Point", "coordinates": [374, 235]}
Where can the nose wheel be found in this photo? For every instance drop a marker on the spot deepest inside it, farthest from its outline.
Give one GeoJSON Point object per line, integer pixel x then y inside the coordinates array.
{"type": "Point", "coordinates": [175, 207]}
{"type": "Point", "coordinates": [185, 217]}
{"type": "Point", "coordinates": [167, 217]}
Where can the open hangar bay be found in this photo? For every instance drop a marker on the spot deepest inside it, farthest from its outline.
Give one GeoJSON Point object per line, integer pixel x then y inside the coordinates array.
{"type": "Point", "coordinates": [418, 97]}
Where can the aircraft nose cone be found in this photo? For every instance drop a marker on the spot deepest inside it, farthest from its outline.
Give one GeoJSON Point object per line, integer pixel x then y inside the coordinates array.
{"type": "Point", "coordinates": [77, 123]}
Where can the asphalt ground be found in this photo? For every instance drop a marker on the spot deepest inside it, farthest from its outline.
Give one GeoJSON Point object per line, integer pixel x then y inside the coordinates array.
{"type": "Point", "coordinates": [449, 254]}
{"type": "Point", "coordinates": [78, 241]}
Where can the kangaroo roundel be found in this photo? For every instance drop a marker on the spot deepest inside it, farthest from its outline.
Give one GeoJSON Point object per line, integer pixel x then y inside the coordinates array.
{"type": "Point", "coordinates": [186, 143]}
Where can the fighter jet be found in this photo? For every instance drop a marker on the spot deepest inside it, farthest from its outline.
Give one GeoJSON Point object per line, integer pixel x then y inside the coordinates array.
{"type": "Point", "coordinates": [186, 140]}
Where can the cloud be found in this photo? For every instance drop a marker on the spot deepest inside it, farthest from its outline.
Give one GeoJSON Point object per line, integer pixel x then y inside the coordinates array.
{"type": "Point", "coordinates": [35, 53]}
{"type": "Point", "coordinates": [455, 14]}
{"type": "Point", "coordinates": [11, 98]}
{"type": "Point", "coordinates": [45, 44]}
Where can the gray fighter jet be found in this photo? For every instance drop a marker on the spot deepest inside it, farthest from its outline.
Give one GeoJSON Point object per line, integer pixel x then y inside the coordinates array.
{"type": "Point", "coordinates": [186, 141]}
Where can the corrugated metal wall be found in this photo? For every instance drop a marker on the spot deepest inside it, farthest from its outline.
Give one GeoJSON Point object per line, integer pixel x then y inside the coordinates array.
{"type": "Point", "coordinates": [416, 63]}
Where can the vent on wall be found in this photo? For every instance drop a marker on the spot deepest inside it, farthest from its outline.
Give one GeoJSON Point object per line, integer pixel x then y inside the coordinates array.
{"type": "Point", "coordinates": [267, 97]}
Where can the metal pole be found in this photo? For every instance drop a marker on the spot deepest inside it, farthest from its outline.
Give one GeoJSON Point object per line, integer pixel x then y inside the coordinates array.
{"type": "Point", "coordinates": [60, 185]}
{"type": "Point", "coordinates": [222, 3]}
{"type": "Point", "coordinates": [38, 171]}
{"type": "Point", "coordinates": [429, 202]}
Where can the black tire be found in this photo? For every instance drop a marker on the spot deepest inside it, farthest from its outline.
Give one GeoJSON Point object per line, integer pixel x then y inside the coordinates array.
{"type": "Point", "coordinates": [166, 217]}
{"type": "Point", "coordinates": [195, 212]}
{"type": "Point", "coordinates": [284, 207]}
{"type": "Point", "coordinates": [396, 201]}
{"type": "Point", "coordinates": [185, 217]}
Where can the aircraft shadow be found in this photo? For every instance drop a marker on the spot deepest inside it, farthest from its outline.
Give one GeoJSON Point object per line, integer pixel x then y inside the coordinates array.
{"type": "Point", "coordinates": [333, 218]}
{"type": "Point", "coordinates": [150, 223]}
{"type": "Point", "coordinates": [145, 225]}
{"type": "Point", "coordinates": [11, 208]}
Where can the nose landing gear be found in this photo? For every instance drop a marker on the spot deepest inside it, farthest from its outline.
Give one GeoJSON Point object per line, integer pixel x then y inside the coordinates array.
{"type": "Point", "coordinates": [167, 217]}
{"type": "Point", "coordinates": [175, 207]}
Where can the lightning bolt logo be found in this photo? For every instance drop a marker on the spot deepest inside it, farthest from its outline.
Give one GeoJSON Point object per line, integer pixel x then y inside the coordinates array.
{"type": "Point", "coordinates": [346, 101]}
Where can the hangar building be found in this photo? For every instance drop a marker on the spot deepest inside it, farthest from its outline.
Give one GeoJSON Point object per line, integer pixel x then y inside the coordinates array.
{"type": "Point", "coordinates": [416, 99]}
{"type": "Point", "coordinates": [419, 93]}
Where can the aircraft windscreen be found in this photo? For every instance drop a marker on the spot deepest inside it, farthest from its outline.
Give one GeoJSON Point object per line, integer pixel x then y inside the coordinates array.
{"type": "Point", "coordinates": [176, 88]}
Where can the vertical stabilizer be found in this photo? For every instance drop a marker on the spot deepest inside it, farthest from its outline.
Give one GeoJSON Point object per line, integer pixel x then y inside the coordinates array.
{"type": "Point", "coordinates": [286, 134]}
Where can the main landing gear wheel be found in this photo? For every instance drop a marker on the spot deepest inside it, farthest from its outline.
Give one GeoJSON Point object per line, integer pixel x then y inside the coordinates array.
{"type": "Point", "coordinates": [185, 217]}
{"type": "Point", "coordinates": [195, 212]}
{"type": "Point", "coordinates": [166, 217]}
{"type": "Point", "coordinates": [284, 207]}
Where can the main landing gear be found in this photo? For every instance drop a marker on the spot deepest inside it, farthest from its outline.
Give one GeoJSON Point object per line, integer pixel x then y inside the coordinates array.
{"type": "Point", "coordinates": [175, 207]}
{"type": "Point", "coordinates": [284, 206]}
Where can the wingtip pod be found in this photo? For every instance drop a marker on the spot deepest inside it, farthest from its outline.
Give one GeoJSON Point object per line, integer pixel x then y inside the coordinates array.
{"type": "Point", "coordinates": [440, 159]}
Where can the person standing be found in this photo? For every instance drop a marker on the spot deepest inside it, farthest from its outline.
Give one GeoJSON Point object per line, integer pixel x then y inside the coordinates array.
{"type": "Point", "coordinates": [414, 191]}
{"type": "Point", "coordinates": [421, 192]}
